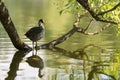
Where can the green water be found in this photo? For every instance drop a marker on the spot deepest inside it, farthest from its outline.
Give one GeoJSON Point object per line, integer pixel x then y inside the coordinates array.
{"type": "Point", "coordinates": [102, 60]}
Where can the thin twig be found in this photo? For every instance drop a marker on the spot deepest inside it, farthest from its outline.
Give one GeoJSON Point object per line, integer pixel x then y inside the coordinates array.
{"type": "Point", "coordinates": [116, 6]}
{"type": "Point", "coordinates": [94, 33]}
{"type": "Point", "coordinates": [88, 25]}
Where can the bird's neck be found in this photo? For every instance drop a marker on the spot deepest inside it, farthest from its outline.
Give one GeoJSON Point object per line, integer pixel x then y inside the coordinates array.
{"type": "Point", "coordinates": [41, 25]}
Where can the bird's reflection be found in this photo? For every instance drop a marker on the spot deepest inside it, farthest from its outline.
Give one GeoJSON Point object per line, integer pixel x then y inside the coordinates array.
{"type": "Point", "coordinates": [34, 61]}
{"type": "Point", "coordinates": [37, 62]}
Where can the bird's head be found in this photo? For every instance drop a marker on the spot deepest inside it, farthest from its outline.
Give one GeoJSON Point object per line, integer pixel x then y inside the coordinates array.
{"type": "Point", "coordinates": [40, 22]}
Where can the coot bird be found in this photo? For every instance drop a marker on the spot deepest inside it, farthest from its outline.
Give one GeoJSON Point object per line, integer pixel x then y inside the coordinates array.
{"type": "Point", "coordinates": [36, 33]}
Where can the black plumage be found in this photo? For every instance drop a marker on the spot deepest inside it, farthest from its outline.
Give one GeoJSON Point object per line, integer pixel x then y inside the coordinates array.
{"type": "Point", "coordinates": [36, 33]}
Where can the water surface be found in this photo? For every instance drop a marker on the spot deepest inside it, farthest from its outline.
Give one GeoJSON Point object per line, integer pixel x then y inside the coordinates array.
{"type": "Point", "coordinates": [67, 62]}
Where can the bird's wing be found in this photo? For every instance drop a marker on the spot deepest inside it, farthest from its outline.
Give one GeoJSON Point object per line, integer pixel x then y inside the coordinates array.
{"type": "Point", "coordinates": [33, 30]}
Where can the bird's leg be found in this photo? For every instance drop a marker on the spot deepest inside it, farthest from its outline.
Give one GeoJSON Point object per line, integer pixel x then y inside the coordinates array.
{"type": "Point", "coordinates": [36, 47]}
{"type": "Point", "coordinates": [33, 47]}
{"type": "Point", "coordinates": [40, 73]}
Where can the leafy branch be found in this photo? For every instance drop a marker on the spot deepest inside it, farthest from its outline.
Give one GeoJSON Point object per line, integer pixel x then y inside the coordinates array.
{"type": "Point", "coordinates": [116, 6]}
{"type": "Point", "coordinates": [96, 16]}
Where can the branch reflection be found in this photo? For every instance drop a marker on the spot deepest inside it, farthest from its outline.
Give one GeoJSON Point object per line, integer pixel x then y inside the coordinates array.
{"type": "Point", "coordinates": [34, 61]}
{"type": "Point", "coordinates": [77, 54]}
{"type": "Point", "coordinates": [14, 66]}
{"type": "Point", "coordinates": [81, 54]}
{"type": "Point", "coordinates": [97, 72]}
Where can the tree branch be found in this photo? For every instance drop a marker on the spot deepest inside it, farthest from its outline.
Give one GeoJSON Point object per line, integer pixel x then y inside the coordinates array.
{"type": "Point", "coordinates": [10, 28]}
{"type": "Point", "coordinates": [66, 36]}
{"type": "Point", "coordinates": [116, 6]}
{"type": "Point", "coordinates": [60, 39]}
{"type": "Point", "coordinates": [94, 33]}
{"type": "Point", "coordinates": [86, 6]}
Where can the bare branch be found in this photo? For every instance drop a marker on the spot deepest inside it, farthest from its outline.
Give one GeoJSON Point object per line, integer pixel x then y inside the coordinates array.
{"type": "Point", "coordinates": [94, 33]}
{"type": "Point", "coordinates": [60, 39]}
{"type": "Point", "coordinates": [88, 25]}
{"type": "Point", "coordinates": [66, 36]}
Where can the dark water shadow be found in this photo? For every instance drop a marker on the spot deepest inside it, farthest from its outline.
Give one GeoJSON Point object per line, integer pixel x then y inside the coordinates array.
{"type": "Point", "coordinates": [76, 54]}
{"type": "Point", "coordinates": [34, 61]}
